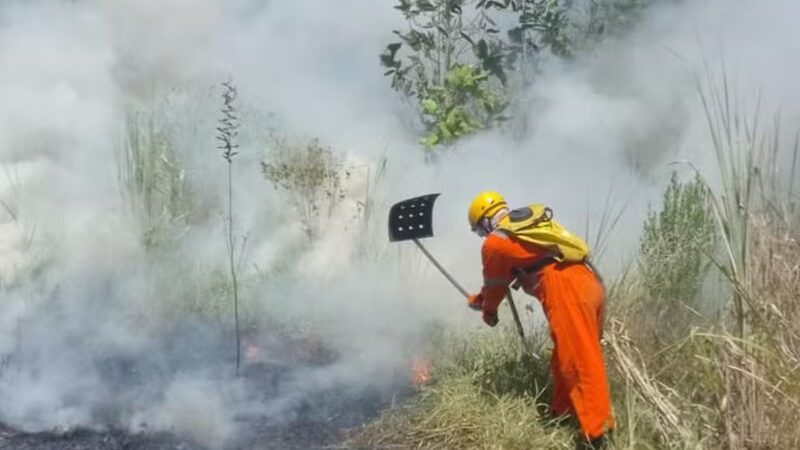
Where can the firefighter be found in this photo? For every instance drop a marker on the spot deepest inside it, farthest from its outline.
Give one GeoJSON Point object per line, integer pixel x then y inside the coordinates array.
{"type": "Point", "coordinates": [526, 246]}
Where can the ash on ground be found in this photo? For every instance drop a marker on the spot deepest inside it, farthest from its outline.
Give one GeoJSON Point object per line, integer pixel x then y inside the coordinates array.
{"type": "Point", "coordinates": [314, 418]}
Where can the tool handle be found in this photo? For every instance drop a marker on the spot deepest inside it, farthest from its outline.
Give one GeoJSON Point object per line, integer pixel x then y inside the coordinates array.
{"type": "Point", "coordinates": [514, 312]}
{"type": "Point", "coordinates": [518, 323]}
{"type": "Point", "coordinates": [510, 299]}
{"type": "Point", "coordinates": [441, 269]}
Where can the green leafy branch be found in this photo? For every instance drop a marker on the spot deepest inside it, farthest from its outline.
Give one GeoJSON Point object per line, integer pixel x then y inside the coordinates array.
{"type": "Point", "coordinates": [459, 107]}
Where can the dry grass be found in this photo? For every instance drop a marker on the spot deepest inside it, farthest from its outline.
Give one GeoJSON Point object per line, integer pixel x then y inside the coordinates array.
{"type": "Point", "coordinates": [484, 393]}
{"type": "Point", "coordinates": [732, 383]}
{"type": "Point", "coordinates": [656, 396]}
{"type": "Point", "coordinates": [457, 414]}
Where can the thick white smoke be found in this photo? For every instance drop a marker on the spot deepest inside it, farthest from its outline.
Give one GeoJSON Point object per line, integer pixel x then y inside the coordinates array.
{"type": "Point", "coordinates": [85, 307]}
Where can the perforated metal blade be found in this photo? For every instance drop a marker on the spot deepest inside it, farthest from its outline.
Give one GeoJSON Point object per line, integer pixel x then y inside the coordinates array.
{"type": "Point", "coordinates": [412, 218]}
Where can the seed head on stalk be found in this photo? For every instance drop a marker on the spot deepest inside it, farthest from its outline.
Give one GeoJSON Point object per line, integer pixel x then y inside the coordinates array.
{"type": "Point", "coordinates": [228, 128]}
{"type": "Point", "coordinates": [227, 132]}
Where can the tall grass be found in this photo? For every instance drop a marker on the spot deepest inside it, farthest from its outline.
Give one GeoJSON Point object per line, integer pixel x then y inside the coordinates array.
{"type": "Point", "coordinates": [730, 383]}
{"type": "Point", "coordinates": [760, 235]}
{"type": "Point", "coordinates": [372, 226]}
{"type": "Point", "coordinates": [739, 145]}
{"type": "Point", "coordinates": [152, 179]}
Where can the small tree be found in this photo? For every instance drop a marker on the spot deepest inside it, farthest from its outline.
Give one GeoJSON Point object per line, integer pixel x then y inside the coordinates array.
{"type": "Point", "coordinates": [457, 58]}
{"type": "Point", "coordinates": [611, 17]}
{"type": "Point", "coordinates": [540, 25]}
{"type": "Point", "coordinates": [453, 67]}
{"type": "Point", "coordinates": [311, 175]}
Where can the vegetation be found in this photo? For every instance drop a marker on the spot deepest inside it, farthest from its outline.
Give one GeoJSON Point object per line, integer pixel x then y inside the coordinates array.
{"type": "Point", "coordinates": [458, 57]}
{"type": "Point", "coordinates": [449, 68]}
{"type": "Point", "coordinates": [311, 176]}
{"type": "Point", "coordinates": [227, 132]}
{"type": "Point", "coordinates": [462, 105]}
{"type": "Point", "coordinates": [676, 250]}
{"type": "Point", "coordinates": [614, 17]}
{"type": "Point", "coordinates": [484, 392]}
{"type": "Point", "coordinates": [461, 60]}
{"type": "Point", "coordinates": [152, 179]}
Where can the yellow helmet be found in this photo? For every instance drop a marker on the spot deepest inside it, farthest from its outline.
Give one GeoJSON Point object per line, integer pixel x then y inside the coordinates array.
{"type": "Point", "coordinates": [485, 205]}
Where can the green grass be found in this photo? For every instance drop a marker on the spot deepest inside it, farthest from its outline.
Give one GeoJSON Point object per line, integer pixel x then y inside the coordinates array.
{"type": "Point", "coordinates": [484, 393]}
{"type": "Point", "coordinates": [152, 180]}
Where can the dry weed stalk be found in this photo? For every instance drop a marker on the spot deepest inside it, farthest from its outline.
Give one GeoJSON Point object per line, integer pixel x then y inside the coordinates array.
{"type": "Point", "coordinates": [227, 131]}
{"type": "Point", "coordinates": [629, 362]}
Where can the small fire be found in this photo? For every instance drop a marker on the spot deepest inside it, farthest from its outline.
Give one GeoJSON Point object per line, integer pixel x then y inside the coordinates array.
{"type": "Point", "coordinates": [252, 353]}
{"type": "Point", "coordinates": [420, 371]}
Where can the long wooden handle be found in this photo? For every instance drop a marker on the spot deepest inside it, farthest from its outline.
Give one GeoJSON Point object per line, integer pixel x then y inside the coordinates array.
{"type": "Point", "coordinates": [514, 313]}
{"type": "Point", "coordinates": [441, 269]}
{"type": "Point", "coordinates": [518, 322]}
{"type": "Point", "coordinates": [463, 291]}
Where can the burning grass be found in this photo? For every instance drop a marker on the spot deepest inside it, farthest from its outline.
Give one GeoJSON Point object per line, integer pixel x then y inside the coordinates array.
{"type": "Point", "coordinates": [420, 371]}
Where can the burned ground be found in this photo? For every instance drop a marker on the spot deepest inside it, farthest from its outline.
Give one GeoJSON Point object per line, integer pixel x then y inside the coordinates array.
{"type": "Point", "coordinates": [275, 367]}
{"type": "Point", "coordinates": [319, 423]}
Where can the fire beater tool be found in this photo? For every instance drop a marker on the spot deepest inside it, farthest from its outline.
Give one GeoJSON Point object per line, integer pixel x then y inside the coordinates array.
{"type": "Point", "coordinates": [412, 220]}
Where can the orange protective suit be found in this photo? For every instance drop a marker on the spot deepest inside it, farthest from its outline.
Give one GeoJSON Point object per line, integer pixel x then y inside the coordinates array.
{"type": "Point", "coordinates": [572, 299]}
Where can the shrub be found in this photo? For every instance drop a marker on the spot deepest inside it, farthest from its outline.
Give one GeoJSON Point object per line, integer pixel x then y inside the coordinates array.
{"type": "Point", "coordinates": [675, 251]}
{"type": "Point", "coordinates": [311, 175]}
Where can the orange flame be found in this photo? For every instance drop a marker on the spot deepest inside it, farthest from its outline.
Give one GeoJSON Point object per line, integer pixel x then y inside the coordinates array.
{"type": "Point", "coordinates": [252, 353]}
{"type": "Point", "coordinates": [420, 371]}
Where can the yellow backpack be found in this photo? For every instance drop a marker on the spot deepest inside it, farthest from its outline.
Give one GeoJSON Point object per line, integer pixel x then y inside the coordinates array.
{"type": "Point", "coordinates": [535, 224]}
